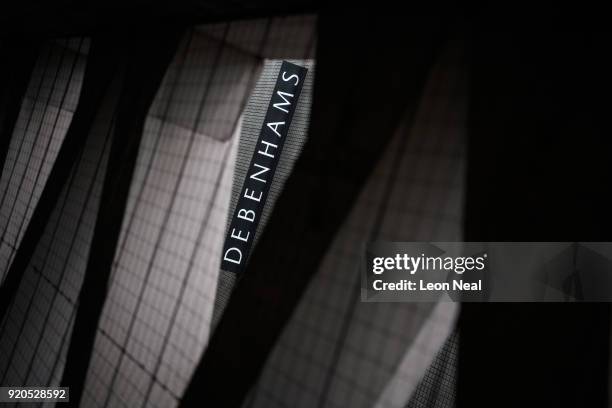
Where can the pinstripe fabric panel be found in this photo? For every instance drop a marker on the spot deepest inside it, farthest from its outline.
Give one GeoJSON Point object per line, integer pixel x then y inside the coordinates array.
{"type": "Point", "coordinates": [156, 317]}
{"type": "Point", "coordinates": [43, 121]}
{"type": "Point", "coordinates": [36, 331]}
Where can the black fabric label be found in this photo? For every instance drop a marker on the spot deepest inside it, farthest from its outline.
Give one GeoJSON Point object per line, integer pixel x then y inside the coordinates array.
{"type": "Point", "coordinates": [261, 171]}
